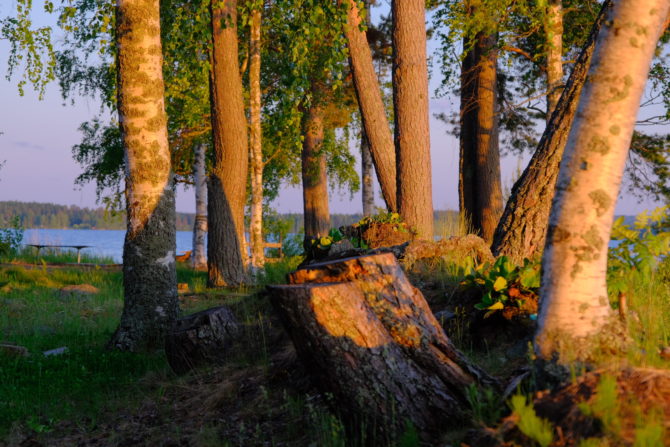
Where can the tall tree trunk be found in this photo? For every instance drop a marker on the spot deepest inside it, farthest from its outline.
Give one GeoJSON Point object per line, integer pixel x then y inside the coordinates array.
{"type": "Point", "coordinates": [314, 175]}
{"type": "Point", "coordinates": [479, 185]}
{"type": "Point", "coordinates": [410, 103]}
{"type": "Point", "coordinates": [149, 274]}
{"type": "Point", "coordinates": [227, 186]}
{"type": "Point", "coordinates": [574, 303]}
{"type": "Point", "coordinates": [370, 102]}
{"type": "Point", "coordinates": [368, 190]}
{"type": "Point", "coordinates": [199, 255]}
{"type": "Point", "coordinates": [553, 29]}
{"type": "Point", "coordinates": [256, 153]}
{"type": "Point", "coordinates": [523, 226]}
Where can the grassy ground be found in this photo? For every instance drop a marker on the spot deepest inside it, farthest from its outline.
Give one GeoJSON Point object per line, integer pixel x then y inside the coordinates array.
{"type": "Point", "coordinates": [261, 397]}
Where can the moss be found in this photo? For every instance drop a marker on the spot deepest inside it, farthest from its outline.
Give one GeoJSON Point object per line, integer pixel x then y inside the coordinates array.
{"type": "Point", "coordinates": [598, 144]}
{"type": "Point", "coordinates": [601, 200]}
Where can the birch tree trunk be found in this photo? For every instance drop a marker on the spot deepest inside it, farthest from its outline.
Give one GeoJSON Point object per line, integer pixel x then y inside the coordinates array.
{"type": "Point", "coordinates": [522, 228]}
{"type": "Point", "coordinates": [553, 29]}
{"type": "Point", "coordinates": [149, 275]}
{"type": "Point", "coordinates": [199, 254]}
{"type": "Point", "coordinates": [367, 181]}
{"type": "Point", "coordinates": [256, 153]}
{"type": "Point", "coordinates": [314, 175]}
{"type": "Point", "coordinates": [479, 185]}
{"type": "Point", "coordinates": [574, 303]}
{"type": "Point", "coordinates": [226, 252]}
{"type": "Point", "coordinates": [410, 104]}
{"type": "Point", "coordinates": [370, 102]}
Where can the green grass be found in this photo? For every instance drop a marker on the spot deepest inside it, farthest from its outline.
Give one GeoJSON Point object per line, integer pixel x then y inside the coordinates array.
{"type": "Point", "coordinates": [28, 255]}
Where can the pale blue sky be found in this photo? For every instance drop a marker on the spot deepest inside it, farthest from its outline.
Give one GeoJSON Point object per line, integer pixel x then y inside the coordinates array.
{"type": "Point", "coordinates": [38, 136]}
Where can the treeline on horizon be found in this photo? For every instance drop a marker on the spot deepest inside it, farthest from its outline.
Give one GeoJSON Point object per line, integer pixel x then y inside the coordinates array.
{"type": "Point", "coordinates": [54, 216]}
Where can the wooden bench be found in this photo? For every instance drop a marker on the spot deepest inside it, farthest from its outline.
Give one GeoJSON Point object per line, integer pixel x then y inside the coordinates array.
{"type": "Point", "coordinates": [77, 247]}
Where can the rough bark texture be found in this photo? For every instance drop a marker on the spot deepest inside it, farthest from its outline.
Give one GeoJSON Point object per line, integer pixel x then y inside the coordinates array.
{"type": "Point", "coordinates": [256, 153]}
{"type": "Point", "coordinates": [553, 29]}
{"type": "Point", "coordinates": [479, 186]}
{"type": "Point", "coordinates": [410, 104]}
{"type": "Point", "coordinates": [367, 180]}
{"type": "Point", "coordinates": [227, 187]}
{"type": "Point", "coordinates": [201, 339]}
{"type": "Point", "coordinates": [523, 226]}
{"type": "Point", "coordinates": [314, 175]}
{"type": "Point", "coordinates": [372, 341]}
{"type": "Point", "coordinates": [574, 303]}
{"type": "Point", "coordinates": [372, 108]}
{"type": "Point", "coordinates": [149, 274]}
{"type": "Point", "coordinates": [198, 257]}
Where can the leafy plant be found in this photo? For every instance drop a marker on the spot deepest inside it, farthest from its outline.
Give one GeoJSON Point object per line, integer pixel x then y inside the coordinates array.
{"type": "Point", "coordinates": [536, 428]}
{"type": "Point", "coordinates": [11, 237]}
{"type": "Point", "coordinates": [639, 249]}
{"type": "Point", "coordinates": [504, 284]}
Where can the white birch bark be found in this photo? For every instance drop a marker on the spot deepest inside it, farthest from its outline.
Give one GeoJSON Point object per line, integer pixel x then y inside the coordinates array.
{"type": "Point", "coordinates": [149, 272]}
{"type": "Point", "coordinates": [199, 253]}
{"type": "Point", "coordinates": [574, 306]}
{"type": "Point", "coordinates": [554, 32]}
{"type": "Point", "coordinates": [255, 144]}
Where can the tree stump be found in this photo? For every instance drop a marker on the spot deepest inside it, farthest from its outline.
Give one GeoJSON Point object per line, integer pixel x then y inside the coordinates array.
{"type": "Point", "coordinates": [372, 341]}
{"type": "Point", "coordinates": [201, 339]}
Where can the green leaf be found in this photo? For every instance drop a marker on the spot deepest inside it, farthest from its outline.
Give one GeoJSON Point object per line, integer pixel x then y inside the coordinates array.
{"type": "Point", "coordinates": [499, 284]}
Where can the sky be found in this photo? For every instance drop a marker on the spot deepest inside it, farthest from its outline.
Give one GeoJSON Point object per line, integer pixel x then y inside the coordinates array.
{"type": "Point", "coordinates": [37, 139]}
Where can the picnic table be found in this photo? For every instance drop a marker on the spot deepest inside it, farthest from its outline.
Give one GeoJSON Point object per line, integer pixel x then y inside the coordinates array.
{"type": "Point", "coordinates": [77, 247]}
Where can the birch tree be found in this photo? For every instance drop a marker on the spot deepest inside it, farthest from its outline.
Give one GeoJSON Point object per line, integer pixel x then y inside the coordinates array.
{"type": "Point", "coordinates": [199, 253]}
{"type": "Point", "coordinates": [255, 143]}
{"type": "Point", "coordinates": [149, 274]}
{"type": "Point", "coordinates": [574, 303]}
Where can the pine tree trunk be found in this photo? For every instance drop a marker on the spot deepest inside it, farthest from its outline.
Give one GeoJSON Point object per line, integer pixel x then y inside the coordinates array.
{"type": "Point", "coordinates": [314, 175]}
{"type": "Point", "coordinates": [199, 253]}
{"type": "Point", "coordinates": [226, 252]}
{"type": "Point", "coordinates": [371, 105]}
{"type": "Point", "coordinates": [149, 274]}
{"type": "Point", "coordinates": [410, 104]}
{"type": "Point", "coordinates": [553, 29]}
{"type": "Point", "coordinates": [480, 190]}
{"type": "Point", "coordinates": [574, 308]}
{"type": "Point", "coordinates": [367, 181]}
{"type": "Point", "coordinates": [522, 228]}
{"type": "Point", "coordinates": [256, 154]}
{"type": "Point", "coordinates": [373, 343]}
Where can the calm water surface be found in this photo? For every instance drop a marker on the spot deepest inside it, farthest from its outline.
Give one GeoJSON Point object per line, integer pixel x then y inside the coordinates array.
{"type": "Point", "coordinates": [104, 243]}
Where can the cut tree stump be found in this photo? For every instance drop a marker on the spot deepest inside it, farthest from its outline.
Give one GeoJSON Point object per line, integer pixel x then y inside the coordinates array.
{"type": "Point", "coordinates": [203, 338]}
{"type": "Point", "coordinates": [371, 340]}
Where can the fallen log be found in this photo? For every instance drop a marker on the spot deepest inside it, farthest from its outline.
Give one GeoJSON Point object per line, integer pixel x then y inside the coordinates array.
{"type": "Point", "coordinates": [372, 341]}
{"type": "Point", "coordinates": [201, 339]}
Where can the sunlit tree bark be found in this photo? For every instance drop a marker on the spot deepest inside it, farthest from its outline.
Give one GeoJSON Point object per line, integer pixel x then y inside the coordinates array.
{"type": "Point", "coordinates": [149, 274]}
{"type": "Point", "coordinates": [410, 104]}
{"type": "Point", "coordinates": [574, 303]}
{"type": "Point", "coordinates": [373, 113]}
{"type": "Point", "coordinates": [553, 29]}
{"type": "Point", "coordinates": [226, 253]}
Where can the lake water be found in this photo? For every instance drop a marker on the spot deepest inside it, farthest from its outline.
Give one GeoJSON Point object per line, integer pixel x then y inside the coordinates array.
{"type": "Point", "coordinates": [104, 243]}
